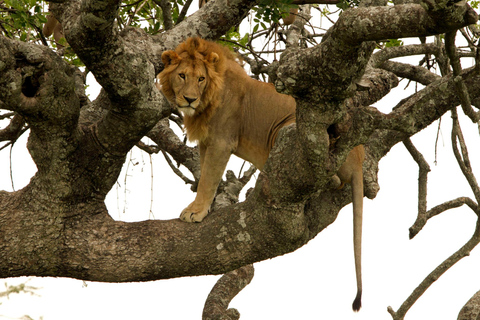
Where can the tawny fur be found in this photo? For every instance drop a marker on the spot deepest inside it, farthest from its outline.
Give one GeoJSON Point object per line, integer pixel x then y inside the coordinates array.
{"type": "Point", "coordinates": [227, 112]}
{"type": "Point", "coordinates": [53, 26]}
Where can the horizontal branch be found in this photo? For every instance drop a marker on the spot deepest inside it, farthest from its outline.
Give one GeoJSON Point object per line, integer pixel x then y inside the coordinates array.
{"type": "Point", "coordinates": [418, 111]}
{"type": "Point", "coordinates": [328, 70]}
{"type": "Point", "coordinates": [401, 21]}
{"type": "Point", "coordinates": [414, 73]}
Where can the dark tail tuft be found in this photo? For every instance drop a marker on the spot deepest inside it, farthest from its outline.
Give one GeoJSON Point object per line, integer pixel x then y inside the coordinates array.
{"type": "Point", "coordinates": [357, 303]}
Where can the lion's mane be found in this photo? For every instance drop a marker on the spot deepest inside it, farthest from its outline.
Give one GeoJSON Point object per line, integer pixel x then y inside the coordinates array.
{"type": "Point", "coordinates": [196, 50]}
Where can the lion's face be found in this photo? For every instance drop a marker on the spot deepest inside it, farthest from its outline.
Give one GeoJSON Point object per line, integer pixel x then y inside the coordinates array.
{"type": "Point", "coordinates": [187, 80]}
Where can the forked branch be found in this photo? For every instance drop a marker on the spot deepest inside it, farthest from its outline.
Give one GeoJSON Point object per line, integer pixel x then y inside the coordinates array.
{"type": "Point", "coordinates": [464, 163]}
{"type": "Point", "coordinates": [437, 273]}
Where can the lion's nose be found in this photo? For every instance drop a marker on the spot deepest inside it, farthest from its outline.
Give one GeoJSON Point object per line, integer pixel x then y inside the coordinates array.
{"type": "Point", "coordinates": [189, 100]}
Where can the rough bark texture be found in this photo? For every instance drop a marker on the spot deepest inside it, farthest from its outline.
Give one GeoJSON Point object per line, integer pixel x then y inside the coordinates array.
{"type": "Point", "coordinates": [471, 310]}
{"type": "Point", "coordinates": [58, 225]}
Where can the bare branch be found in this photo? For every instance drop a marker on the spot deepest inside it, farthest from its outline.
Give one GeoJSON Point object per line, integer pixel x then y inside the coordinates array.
{"type": "Point", "coordinates": [459, 83]}
{"type": "Point", "coordinates": [226, 288]}
{"type": "Point", "coordinates": [176, 170]}
{"type": "Point", "coordinates": [463, 158]}
{"type": "Point", "coordinates": [294, 32]}
{"type": "Point", "coordinates": [452, 204]}
{"type": "Point", "coordinates": [414, 73]}
{"type": "Point", "coordinates": [166, 13]}
{"type": "Point", "coordinates": [403, 51]}
{"type": "Point", "coordinates": [169, 142]}
{"type": "Point", "coordinates": [435, 274]}
{"type": "Point", "coordinates": [14, 129]}
{"type": "Point", "coordinates": [147, 148]}
{"type": "Point", "coordinates": [183, 13]}
{"type": "Point", "coordinates": [423, 170]}
{"type": "Point", "coordinates": [471, 310]}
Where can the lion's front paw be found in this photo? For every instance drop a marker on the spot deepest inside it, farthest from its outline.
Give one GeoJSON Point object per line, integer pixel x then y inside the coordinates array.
{"type": "Point", "coordinates": [191, 214]}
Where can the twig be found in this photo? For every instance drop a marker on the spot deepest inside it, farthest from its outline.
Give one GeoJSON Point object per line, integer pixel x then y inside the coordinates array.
{"type": "Point", "coordinates": [168, 141]}
{"type": "Point", "coordinates": [183, 13]}
{"type": "Point", "coordinates": [176, 170]}
{"type": "Point", "coordinates": [452, 204]}
{"type": "Point", "coordinates": [245, 48]}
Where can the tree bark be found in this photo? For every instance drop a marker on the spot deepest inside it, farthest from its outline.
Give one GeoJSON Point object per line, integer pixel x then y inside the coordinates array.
{"type": "Point", "coordinates": [58, 225]}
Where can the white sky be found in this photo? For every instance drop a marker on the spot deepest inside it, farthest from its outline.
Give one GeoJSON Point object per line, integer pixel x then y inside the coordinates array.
{"type": "Point", "coordinates": [315, 282]}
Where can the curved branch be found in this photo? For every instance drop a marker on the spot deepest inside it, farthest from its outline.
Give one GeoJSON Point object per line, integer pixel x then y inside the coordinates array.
{"type": "Point", "coordinates": [463, 158]}
{"type": "Point", "coordinates": [459, 84]}
{"type": "Point", "coordinates": [169, 142]}
{"type": "Point", "coordinates": [418, 111]}
{"type": "Point", "coordinates": [471, 310]}
{"type": "Point", "coordinates": [439, 271]}
{"type": "Point", "coordinates": [341, 58]}
{"type": "Point", "coordinates": [226, 288]}
{"type": "Point", "coordinates": [423, 170]}
{"type": "Point", "coordinates": [14, 129]}
{"type": "Point", "coordinates": [403, 51]}
{"type": "Point", "coordinates": [414, 73]}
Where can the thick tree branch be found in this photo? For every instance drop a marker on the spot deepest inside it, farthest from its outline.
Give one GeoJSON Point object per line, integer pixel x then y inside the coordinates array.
{"type": "Point", "coordinates": [343, 44]}
{"type": "Point", "coordinates": [166, 13]}
{"type": "Point", "coordinates": [403, 51]}
{"type": "Point", "coordinates": [229, 285]}
{"type": "Point", "coordinates": [418, 111]}
{"type": "Point", "coordinates": [471, 310]}
{"type": "Point", "coordinates": [414, 73]}
{"type": "Point", "coordinates": [75, 237]}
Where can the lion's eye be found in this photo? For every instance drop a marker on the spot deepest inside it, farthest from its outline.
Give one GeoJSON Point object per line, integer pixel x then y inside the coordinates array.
{"type": "Point", "coordinates": [201, 79]}
{"type": "Point", "coordinates": [181, 75]}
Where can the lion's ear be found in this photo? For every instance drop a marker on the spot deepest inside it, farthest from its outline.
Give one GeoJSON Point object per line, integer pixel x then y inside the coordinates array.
{"type": "Point", "coordinates": [170, 57]}
{"type": "Point", "coordinates": [213, 57]}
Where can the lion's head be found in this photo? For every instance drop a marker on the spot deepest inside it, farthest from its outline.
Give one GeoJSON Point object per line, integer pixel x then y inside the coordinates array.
{"type": "Point", "coordinates": [193, 76]}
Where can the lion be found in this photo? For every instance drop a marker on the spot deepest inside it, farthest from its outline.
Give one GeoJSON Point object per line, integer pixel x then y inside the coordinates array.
{"type": "Point", "coordinates": [227, 112]}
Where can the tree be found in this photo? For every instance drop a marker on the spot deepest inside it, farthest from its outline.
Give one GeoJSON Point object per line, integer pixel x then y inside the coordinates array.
{"type": "Point", "coordinates": [59, 226]}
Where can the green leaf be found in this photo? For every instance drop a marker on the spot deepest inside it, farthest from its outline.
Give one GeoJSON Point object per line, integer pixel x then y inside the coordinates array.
{"type": "Point", "coordinates": [393, 43]}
